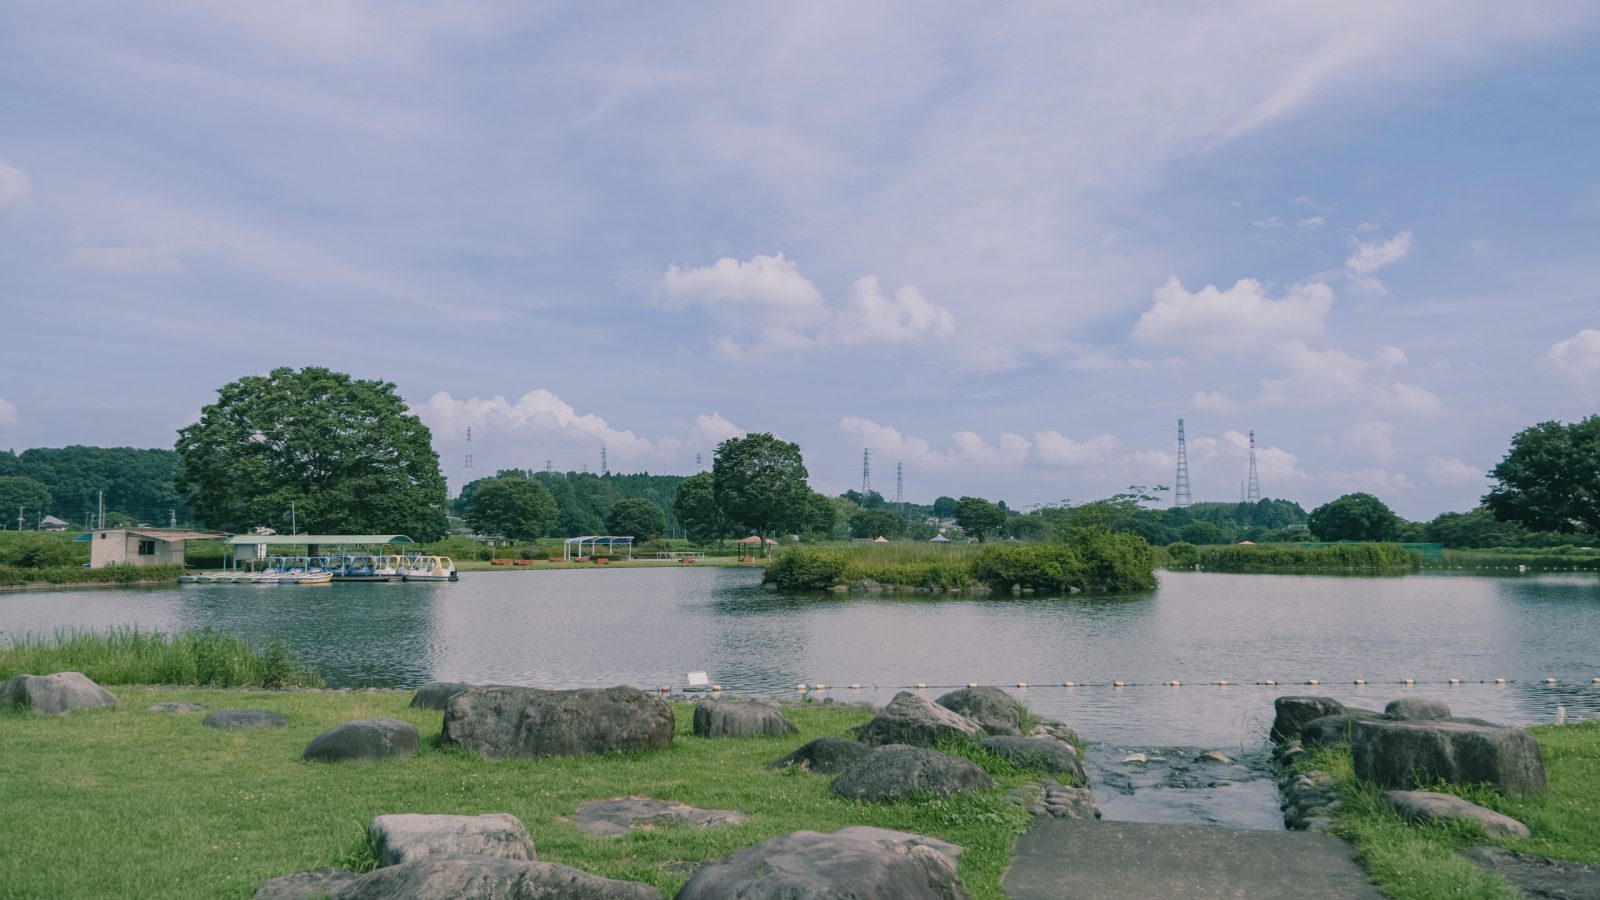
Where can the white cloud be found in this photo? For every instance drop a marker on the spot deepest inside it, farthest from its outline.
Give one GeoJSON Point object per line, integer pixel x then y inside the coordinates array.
{"type": "Point", "coordinates": [14, 183]}
{"type": "Point", "coordinates": [1336, 378]}
{"type": "Point", "coordinates": [1270, 223]}
{"type": "Point", "coordinates": [715, 428]}
{"type": "Point", "coordinates": [1577, 359]}
{"type": "Point", "coordinates": [1240, 317]}
{"type": "Point", "coordinates": [1371, 439]}
{"type": "Point", "coordinates": [966, 447]}
{"type": "Point", "coordinates": [1372, 256]}
{"type": "Point", "coordinates": [1213, 401]}
{"type": "Point", "coordinates": [8, 413]}
{"type": "Point", "coordinates": [1056, 449]}
{"type": "Point", "coordinates": [767, 288]}
{"type": "Point", "coordinates": [1311, 224]}
{"type": "Point", "coordinates": [872, 317]}
{"type": "Point", "coordinates": [1449, 470]}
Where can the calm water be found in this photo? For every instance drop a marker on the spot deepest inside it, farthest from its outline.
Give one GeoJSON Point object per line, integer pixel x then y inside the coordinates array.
{"type": "Point", "coordinates": [649, 626]}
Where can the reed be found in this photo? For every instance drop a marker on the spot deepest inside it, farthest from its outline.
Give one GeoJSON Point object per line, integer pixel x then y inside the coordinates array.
{"type": "Point", "coordinates": [129, 656]}
{"type": "Point", "coordinates": [12, 576]}
{"type": "Point", "coordinates": [1288, 557]}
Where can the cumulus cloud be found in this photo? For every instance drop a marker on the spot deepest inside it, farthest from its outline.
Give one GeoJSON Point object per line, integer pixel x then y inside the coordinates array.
{"type": "Point", "coordinates": [770, 307]}
{"type": "Point", "coordinates": [14, 183]}
{"type": "Point", "coordinates": [8, 413]}
{"type": "Point", "coordinates": [1311, 224]}
{"type": "Point", "coordinates": [1270, 223]}
{"type": "Point", "coordinates": [1449, 470]}
{"type": "Point", "coordinates": [715, 428]}
{"type": "Point", "coordinates": [1371, 439]}
{"type": "Point", "coordinates": [966, 447]}
{"type": "Point", "coordinates": [1370, 256]}
{"type": "Point", "coordinates": [1213, 401]}
{"type": "Point", "coordinates": [1241, 316]}
{"type": "Point", "coordinates": [1577, 359]}
{"type": "Point", "coordinates": [1056, 449]}
{"type": "Point", "coordinates": [1336, 377]}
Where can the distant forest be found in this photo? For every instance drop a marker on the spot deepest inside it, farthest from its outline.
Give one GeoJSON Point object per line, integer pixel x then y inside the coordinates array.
{"type": "Point", "coordinates": [138, 484]}
{"type": "Point", "coordinates": [586, 499]}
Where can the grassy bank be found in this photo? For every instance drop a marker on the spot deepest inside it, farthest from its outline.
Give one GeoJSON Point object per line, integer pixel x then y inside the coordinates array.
{"type": "Point", "coordinates": [11, 576]}
{"type": "Point", "coordinates": [1565, 559]}
{"type": "Point", "coordinates": [1420, 862]}
{"type": "Point", "coordinates": [1100, 561]}
{"type": "Point", "coordinates": [164, 807]}
{"type": "Point", "coordinates": [1290, 557]}
{"type": "Point", "coordinates": [128, 656]}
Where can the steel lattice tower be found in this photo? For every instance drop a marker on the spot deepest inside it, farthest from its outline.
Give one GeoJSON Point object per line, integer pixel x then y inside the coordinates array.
{"type": "Point", "coordinates": [1180, 492]}
{"type": "Point", "coordinates": [468, 465]}
{"type": "Point", "coordinates": [1254, 495]}
{"type": "Point", "coordinates": [604, 469]}
{"type": "Point", "coordinates": [698, 465]}
{"type": "Point", "coordinates": [900, 486]}
{"type": "Point", "coordinates": [866, 471]}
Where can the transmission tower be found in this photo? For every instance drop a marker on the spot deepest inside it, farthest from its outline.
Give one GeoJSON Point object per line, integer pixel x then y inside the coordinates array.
{"type": "Point", "coordinates": [604, 469]}
{"type": "Point", "coordinates": [1254, 496]}
{"type": "Point", "coordinates": [698, 465]}
{"type": "Point", "coordinates": [1180, 493]}
{"type": "Point", "coordinates": [866, 471]}
{"type": "Point", "coordinates": [547, 466]}
{"type": "Point", "coordinates": [900, 486]}
{"type": "Point", "coordinates": [468, 464]}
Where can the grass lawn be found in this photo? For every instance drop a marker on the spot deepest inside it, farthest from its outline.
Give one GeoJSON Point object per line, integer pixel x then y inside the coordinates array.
{"type": "Point", "coordinates": [133, 804]}
{"type": "Point", "coordinates": [1421, 861]}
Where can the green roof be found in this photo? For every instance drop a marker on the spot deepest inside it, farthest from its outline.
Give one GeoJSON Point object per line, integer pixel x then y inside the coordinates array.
{"type": "Point", "coordinates": [280, 540]}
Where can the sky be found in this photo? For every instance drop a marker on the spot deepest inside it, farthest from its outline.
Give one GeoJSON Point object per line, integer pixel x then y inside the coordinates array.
{"type": "Point", "coordinates": [1005, 247]}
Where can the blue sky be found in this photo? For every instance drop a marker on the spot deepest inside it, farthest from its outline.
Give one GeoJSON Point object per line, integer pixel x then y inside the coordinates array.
{"type": "Point", "coordinates": [1005, 247]}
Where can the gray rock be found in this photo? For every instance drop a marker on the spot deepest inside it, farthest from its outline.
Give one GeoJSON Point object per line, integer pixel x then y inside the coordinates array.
{"type": "Point", "coordinates": [244, 718]}
{"type": "Point", "coordinates": [895, 771]}
{"type": "Point", "coordinates": [1416, 709]}
{"type": "Point", "coordinates": [1216, 756]}
{"type": "Point", "coordinates": [487, 878]}
{"type": "Point", "coordinates": [408, 837]}
{"type": "Point", "coordinates": [1293, 712]}
{"type": "Point", "coordinates": [825, 756]}
{"type": "Point", "coordinates": [738, 717]}
{"type": "Point", "coordinates": [437, 694]}
{"type": "Point", "coordinates": [518, 721]}
{"type": "Point", "coordinates": [178, 707]}
{"type": "Point", "coordinates": [910, 719]}
{"type": "Point", "coordinates": [806, 865]}
{"type": "Point", "coordinates": [1408, 755]}
{"type": "Point", "coordinates": [1039, 753]}
{"type": "Point", "coordinates": [55, 695]}
{"type": "Point", "coordinates": [1064, 802]}
{"type": "Point", "coordinates": [1056, 729]}
{"type": "Point", "coordinates": [1427, 806]}
{"type": "Point", "coordinates": [1540, 876]}
{"type": "Point", "coordinates": [364, 740]}
{"type": "Point", "coordinates": [890, 839]}
{"type": "Point", "coordinates": [995, 711]}
{"type": "Point", "coordinates": [1334, 730]}
{"type": "Point", "coordinates": [614, 818]}
{"type": "Point", "coordinates": [311, 885]}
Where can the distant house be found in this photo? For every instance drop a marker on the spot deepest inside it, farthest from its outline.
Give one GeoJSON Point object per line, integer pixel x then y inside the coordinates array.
{"type": "Point", "coordinates": [141, 546]}
{"type": "Point", "coordinates": [51, 523]}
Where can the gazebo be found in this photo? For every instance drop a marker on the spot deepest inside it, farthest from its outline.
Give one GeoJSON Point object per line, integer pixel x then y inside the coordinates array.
{"type": "Point", "coordinates": [573, 548]}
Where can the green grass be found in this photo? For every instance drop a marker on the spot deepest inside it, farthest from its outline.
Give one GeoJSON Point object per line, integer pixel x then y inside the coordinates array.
{"type": "Point", "coordinates": [1421, 862]}
{"type": "Point", "coordinates": [129, 656]}
{"type": "Point", "coordinates": [1294, 558]}
{"type": "Point", "coordinates": [16, 577]}
{"type": "Point", "coordinates": [1557, 559]}
{"type": "Point", "coordinates": [1096, 561]}
{"type": "Point", "coordinates": [125, 803]}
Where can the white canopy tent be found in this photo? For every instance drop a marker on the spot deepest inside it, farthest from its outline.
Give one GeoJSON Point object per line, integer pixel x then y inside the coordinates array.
{"type": "Point", "coordinates": [573, 548]}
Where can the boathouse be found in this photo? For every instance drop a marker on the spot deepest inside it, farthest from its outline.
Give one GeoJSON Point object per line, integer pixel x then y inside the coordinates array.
{"type": "Point", "coordinates": [141, 546]}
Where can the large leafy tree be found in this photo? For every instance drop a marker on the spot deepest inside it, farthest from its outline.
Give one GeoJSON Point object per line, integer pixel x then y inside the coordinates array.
{"type": "Point", "coordinates": [871, 523]}
{"type": "Point", "coordinates": [517, 509]}
{"type": "Point", "coordinates": [698, 513]}
{"type": "Point", "coordinates": [1550, 478]}
{"type": "Point", "coordinates": [760, 483]}
{"type": "Point", "coordinates": [978, 517]}
{"type": "Point", "coordinates": [345, 452]}
{"type": "Point", "coordinates": [1354, 517]}
{"type": "Point", "coordinates": [25, 494]}
{"type": "Point", "coordinates": [817, 516]}
{"type": "Point", "coordinates": [637, 518]}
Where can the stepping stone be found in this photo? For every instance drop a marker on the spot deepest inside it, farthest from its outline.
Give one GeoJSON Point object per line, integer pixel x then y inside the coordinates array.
{"type": "Point", "coordinates": [364, 740]}
{"type": "Point", "coordinates": [408, 837]}
{"type": "Point", "coordinates": [486, 877]}
{"type": "Point", "coordinates": [914, 720]}
{"type": "Point", "coordinates": [177, 707]}
{"type": "Point", "coordinates": [244, 718]}
{"type": "Point", "coordinates": [1539, 876]}
{"type": "Point", "coordinates": [614, 818]}
{"type": "Point", "coordinates": [825, 756]}
{"type": "Point", "coordinates": [806, 865]}
{"type": "Point", "coordinates": [1427, 806]}
{"type": "Point", "coordinates": [55, 695]}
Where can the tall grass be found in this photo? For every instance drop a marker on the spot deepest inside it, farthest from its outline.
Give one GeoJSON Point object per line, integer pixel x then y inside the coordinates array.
{"type": "Point", "coordinates": [11, 576]}
{"type": "Point", "coordinates": [130, 656]}
{"type": "Point", "coordinates": [1557, 558]}
{"type": "Point", "coordinates": [1283, 557]}
{"type": "Point", "coordinates": [1094, 561]}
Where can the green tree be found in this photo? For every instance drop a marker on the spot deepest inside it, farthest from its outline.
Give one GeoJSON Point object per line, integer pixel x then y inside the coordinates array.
{"type": "Point", "coordinates": [1550, 478]}
{"type": "Point", "coordinates": [638, 518]}
{"type": "Point", "coordinates": [346, 453]}
{"type": "Point", "coordinates": [698, 513]}
{"type": "Point", "coordinates": [760, 483]}
{"type": "Point", "coordinates": [516, 509]}
{"type": "Point", "coordinates": [978, 517]}
{"type": "Point", "coordinates": [871, 523]}
{"type": "Point", "coordinates": [18, 492]}
{"type": "Point", "coordinates": [944, 507]}
{"type": "Point", "coordinates": [1476, 528]}
{"type": "Point", "coordinates": [1202, 533]}
{"type": "Point", "coordinates": [40, 551]}
{"type": "Point", "coordinates": [817, 516]}
{"type": "Point", "coordinates": [1354, 517]}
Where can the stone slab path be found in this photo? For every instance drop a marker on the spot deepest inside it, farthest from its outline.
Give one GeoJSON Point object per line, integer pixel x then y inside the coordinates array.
{"type": "Point", "coordinates": [1058, 859]}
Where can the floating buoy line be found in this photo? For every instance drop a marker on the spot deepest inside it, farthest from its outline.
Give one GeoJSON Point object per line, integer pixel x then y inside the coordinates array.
{"type": "Point", "coordinates": [806, 687]}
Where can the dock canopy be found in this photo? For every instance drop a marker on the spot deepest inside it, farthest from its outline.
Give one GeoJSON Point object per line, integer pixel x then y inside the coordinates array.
{"type": "Point", "coordinates": [572, 548]}
{"type": "Point", "coordinates": [296, 540]}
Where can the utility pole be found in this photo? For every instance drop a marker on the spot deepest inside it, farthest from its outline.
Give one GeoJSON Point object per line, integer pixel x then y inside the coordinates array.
{"type": "Point", "coordinates": [1180, 493]}
{"type": "Point", "coordinates": [172, 518]}
{"type": "Point", "coordinates": [102, 509]}
{"type": "Point", "coordinates": [294, 523]}
{"type": "Point", "coordinates": [19, 518]}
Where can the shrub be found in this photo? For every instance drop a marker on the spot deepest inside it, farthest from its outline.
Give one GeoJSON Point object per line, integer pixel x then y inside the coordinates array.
{"type": "Point", "coordinates": [40, 551]}
{"type": "Point", "coordinates": [806, 567]}
{"type": "Point", "coordinates": [1044, 567]}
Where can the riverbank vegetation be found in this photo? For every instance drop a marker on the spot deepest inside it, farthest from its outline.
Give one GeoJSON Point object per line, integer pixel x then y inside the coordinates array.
{"type": "Point", "coordinates": [1289, 557]}
{"type": "Point", "coordinates": [1421, 862]}
{"type": "Point", "coordinates": [1090, 561]}
{"type": "Point", "coordinates": [130, 656]}
{"type": "Point", "coordinates": [194, 812]}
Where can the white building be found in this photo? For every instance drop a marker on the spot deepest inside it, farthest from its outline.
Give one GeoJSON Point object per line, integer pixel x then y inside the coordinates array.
{"type": "Point", "coordinates": [141, 546]}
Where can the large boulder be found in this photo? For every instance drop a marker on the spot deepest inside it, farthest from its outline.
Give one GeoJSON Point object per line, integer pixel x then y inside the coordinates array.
{"type": "Point", "coordinates": [1539, 876]}
{"type": "Point", "coordinates": [437, 694]}
{"type": "Point", "coordinates": [911, 719]}
{"type": "Point", "coordinates": [996, 711]}
{"type": "Point", "coordinates": [244, 718]}
{"type": "Point", "coordinates": [1417, 709]}
{"type": "Point", "coordinates": [1408, 755]}
{"type": "Point", "coordinates": [56, 694]}
{"type": "Point", "coordinates": [807, 865]}
{"type": "Point", "coordinates": [1334, 730]}
{"type": "Point", "coordinates": [896, 771]}
{"type": "Point", "coordinates": [487, 878]}
{"type": "Point", "coordinates": [313, 885]}
{"type": "Point", "coordinates": [1428, 806]}
{"type": "Point", "coordinates": [1294, 712]}
{"type": "Point", "coordinates": [614, 818]}
{"type": "Point", "coordinates": [408, 837]}
{"type": "Point", "coordinates": [1040, 754]}
{"type": "Point", "coordinates": [364, 740]}
{"type": "Point", "coordinates": [517, 721]}
{"type": "Point", "coordinates": [825, 756]}
{"type": "Point", "coordinates": [737, 717]}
